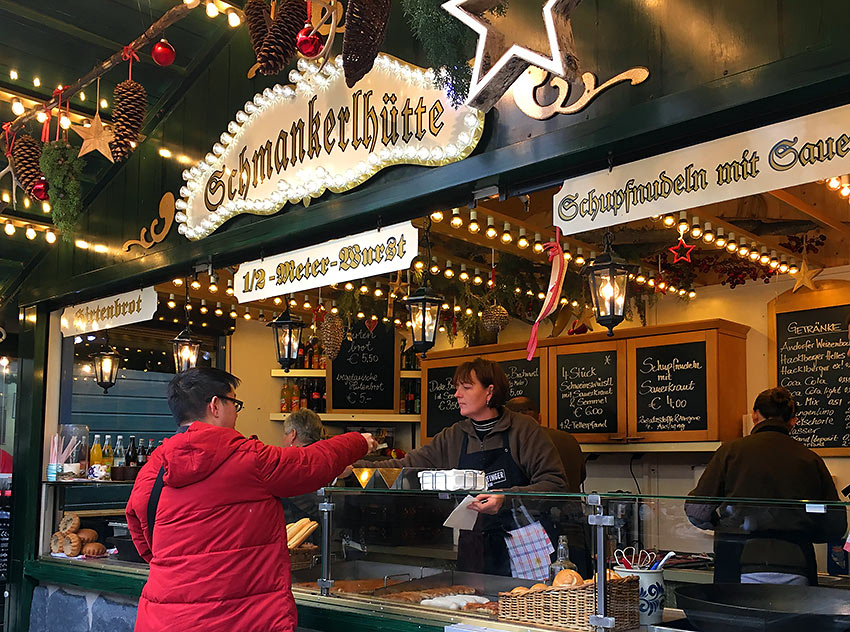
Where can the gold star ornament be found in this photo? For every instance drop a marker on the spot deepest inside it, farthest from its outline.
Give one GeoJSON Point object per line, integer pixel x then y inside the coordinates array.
{"type": "Point", "coordinates": [507, 45]}
{"type": "Point", "coordinates": [806, 276]}
{"type": "Point", "coordinates": [95, 138]}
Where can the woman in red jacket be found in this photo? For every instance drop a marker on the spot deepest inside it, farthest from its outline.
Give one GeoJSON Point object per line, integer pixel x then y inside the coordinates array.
{"type": "Point", "coordinates": [218, 554]}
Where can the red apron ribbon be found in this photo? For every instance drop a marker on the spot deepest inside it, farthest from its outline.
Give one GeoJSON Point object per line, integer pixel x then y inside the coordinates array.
{"type": "Point", "coordinates": [553, 293]}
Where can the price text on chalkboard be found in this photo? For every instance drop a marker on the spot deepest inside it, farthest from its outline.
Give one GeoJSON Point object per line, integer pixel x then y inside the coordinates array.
{"type": "Point", "coordinates": [443, 410]}
{"type": "Point", "coordinates": [363, 373]}
{"type": "Point", "coordinates": [671, 388]}
{"type": "Point", "coordinates": [812, 363]}
{"type": "Point", "coordinates": [587, 392]}
{"type": "Point", "coordinates": [523, 378]}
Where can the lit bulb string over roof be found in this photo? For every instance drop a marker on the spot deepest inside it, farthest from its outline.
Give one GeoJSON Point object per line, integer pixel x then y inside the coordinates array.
{"type": "Point", "coordinates": [309, 183]}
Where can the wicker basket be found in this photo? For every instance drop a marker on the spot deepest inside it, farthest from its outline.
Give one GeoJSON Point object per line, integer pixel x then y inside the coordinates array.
{"type": "Point", "coordinates": [570, 607]}
{"type": "Point", "coordinates": [303, 557]}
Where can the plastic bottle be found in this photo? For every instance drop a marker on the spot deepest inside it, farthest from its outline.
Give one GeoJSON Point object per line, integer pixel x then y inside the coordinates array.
{"type": "Point", "coordinates": [107, 457]}
{"type": "Point", "coordinates": [563, 561]}
{"type": "Point", "coordinates": [120, 457]}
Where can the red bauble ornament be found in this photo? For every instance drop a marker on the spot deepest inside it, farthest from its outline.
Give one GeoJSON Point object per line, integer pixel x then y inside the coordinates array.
{"type": "Point", "coordinates": [39, 190]}
{"type": "Point", "coordinates": [163, 53]}
{"type": "Point", "coordinates": [308, 43]}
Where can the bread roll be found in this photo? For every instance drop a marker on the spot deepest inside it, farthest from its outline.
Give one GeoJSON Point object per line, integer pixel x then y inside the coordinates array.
{"type": "Point", "coordinates": [519, 590]}
{"type": "Point", "coordinates": [70, 523]}
{"type": "Point", "coordinates": [57, 542]}
{"type": "Point", "coordinates": [539, 587]}
{"type": "Point", "coordinates": [568, 577]}
{"type": "Point", "coordinates": [94, 549]}
{"type": "Point", "coordinates": [72, 545]}
{"type": "Point", "coordinates": [87, 535]}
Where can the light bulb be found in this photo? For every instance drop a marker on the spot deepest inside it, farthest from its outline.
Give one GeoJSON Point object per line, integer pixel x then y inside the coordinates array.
{"type": "Point", "coordinates": [640, 279]}
{"type": "Point", "coordinates": [307, 304]}
{"type": "Point", "coordinates": [477, 280]}
{"type": "Point", "coordinates": [364, 289]}
{"type": "Point", "coordinates": [36, 82]}
{"type": "Point", "coordinates": [64, 121]}
{"type": "Point", "coordinates": [30, 232]}
{"type": "Point", "coordinates": [378, 291]}
{"type": "Point", "coordinates": [506, 234]}
{"type": "Point", "coordinates": [17, 107]}
{"type": "Point", "coordinates": [104, 103]}
{"type": "Point", "coordinates": [783, 265]}
{"type": "Point", "coordinates": [792, 267]}
{"type": "Point", "coordinates": [229, 290]}
{"type": "Point", "coordinates": [683, 224]}
{"type": "Point", "coordinates": [754, 253]}
{"type": "Point", "coordinates": [13, 75]}
{"type": "Point", "coordinates": [707, 233]}
{"type": "Point", "coordinates": [696, 228]}
{"type": "Point", "coordinates": [538, 245]}
{"type": "Point", "coordinates": [568, 256]}
{"type": "Point", "coordinates": [9, 228]}
{"type": "Point", "coordinates": [41, 116]}
{"type": "Point", "coordinates": [682, 291]}
{"type": "Point", "coordinates": [844, 191]}
{"type": "Point", "coordinates": [419, 264]}
{"type": "Point", "coordinates": [349, 286]}
{"type": "Point", "coordinates": [361, 315]}
{"type": "Point", "coordinates": [720, 241]}
{"type": "Point", "coordinates": [177, 281]}
{"type": "Point", "coordinates": [834, 183]}
{"type": "Point", "coordinates": [473, 226]}
{"type": "Point", "coordinates": [233, 313]}
{"type": "Point", "coordinates": [743, 251]}
{"type": "Point", "coordinates": [277, 300]}
{"type": "Point", "coordinates": [292, 302]}
{"type": "Point", "coordinates": [449, 271]}
{"type": "Point", "coordinates": [774, 260]}
{"type": "Point", "coordinates": [579, 258]}
{"type": "Point", "coordinates": [211, 9]}
{"type": "Point", "coordinates": [50, 236]}
{"type": "Point", "coordinates": [491, 231]}
{"type": "Point", "coordinates": [435, 268]}
{"type": "Point", "coordinates": [213, 287]}
{"type": "Point", "coordinates": [764, 259]}
{"type": "Point", "coordinates": [731, 244]}
{"type": "Point", "coordinates": [692, 294]}
{"type": "Point", "coordinates": [204, 309]}
{"type": "Point", "coordinates": [522, 243]}
{"type": "Point", "coordinates": [171, 302]}
{"type": "Point", "coordinates": [233, 19]}
{"type": "Point", "coordinates": [218, 311]}
{"type": "Point", "coordinates": [464, 275]}
{"type": "Point", "coordinates": [195, 284]}
{"type": "Point", "coordinates": [669, 220]}
{"type": "Point", "coordinates": [457, 220]}
{"type": "Point", "coordinates": [437, 216]}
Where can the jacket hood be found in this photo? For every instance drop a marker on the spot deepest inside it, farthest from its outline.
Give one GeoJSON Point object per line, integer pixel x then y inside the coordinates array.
{"type": "Point", "coordinates": [191, 456]}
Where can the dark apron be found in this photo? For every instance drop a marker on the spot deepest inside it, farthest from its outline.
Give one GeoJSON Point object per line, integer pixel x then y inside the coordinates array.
{"type": "Point", "coordinates": [483, 550]}
{"type": "Point", "coordinates": [728, 549]}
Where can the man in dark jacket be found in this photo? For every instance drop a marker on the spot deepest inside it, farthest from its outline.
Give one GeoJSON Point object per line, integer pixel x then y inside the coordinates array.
{"type": "Point", "coordinates": [758, 542]}
{"type": "Point", "coordinates": [217, 543]}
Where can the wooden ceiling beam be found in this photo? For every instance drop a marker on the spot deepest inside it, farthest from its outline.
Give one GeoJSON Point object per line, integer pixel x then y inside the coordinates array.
{"type": "Point", "coordinates": [820, 216]}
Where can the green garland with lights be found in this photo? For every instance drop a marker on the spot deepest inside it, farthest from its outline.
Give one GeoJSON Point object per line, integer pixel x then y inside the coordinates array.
{"type": "Point", "coordinates": [63, 168]}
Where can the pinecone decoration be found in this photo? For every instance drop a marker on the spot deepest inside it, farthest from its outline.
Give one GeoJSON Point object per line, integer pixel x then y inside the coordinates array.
{"type": "Point", "coordinates": [365, 28]}
{"type": "Point", "coordinates": [257, 17]}
{"type": "Point", "coordinates": [279, 43]}
{"type": "Point", "coordinates": [332, 334]}
{"type": "Point", "coordinates": [128, 113]}
{"type": "Point", "coordinates": [495, 318]}
{"type": "Point", "coordinates": [26, 153]}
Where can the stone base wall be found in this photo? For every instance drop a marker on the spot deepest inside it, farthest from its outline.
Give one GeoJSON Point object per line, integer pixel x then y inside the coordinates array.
{"type": "Point", "coordinates": [63, 609]}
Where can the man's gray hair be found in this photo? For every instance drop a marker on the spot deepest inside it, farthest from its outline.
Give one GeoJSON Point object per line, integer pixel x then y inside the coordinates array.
{"type": "Point", "coordinates": [306, 424]}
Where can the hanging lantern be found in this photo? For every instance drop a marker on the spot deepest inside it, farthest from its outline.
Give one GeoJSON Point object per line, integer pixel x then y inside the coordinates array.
{"type": "Point", "coordinates": [424, 308]}
{"type": "Point", "coordinates": [608, 276]}
{"type": "Point", "coordinates": [106, 363]}
{"type": "Point", "coordinates": [186, 350]}
{"type": "Point", "coordinates": [287, 337]}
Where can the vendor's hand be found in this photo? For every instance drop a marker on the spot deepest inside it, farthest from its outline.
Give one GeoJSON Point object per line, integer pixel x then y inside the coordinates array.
{"type": "Point", "coordinates": [487, 503]}
{"type": "Point", "coordinates": [373, 445]}
{"type": "Point", "coordinates": [348, 471]}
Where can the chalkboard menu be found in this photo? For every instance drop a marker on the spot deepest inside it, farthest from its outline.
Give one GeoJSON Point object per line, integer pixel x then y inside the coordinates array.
{"type": "Point", "coordinates": [587, 392]}
{"type": "Point", "coordinates": [523, 378]}
{"type": "Point", "coordinates": [363, 372]}
{"type": "Point", "coordinates": [812, 363]}
{"type": "Point", "coordinates": [671, 387]}
{"type": "Point", "coordinates": [442, 406]}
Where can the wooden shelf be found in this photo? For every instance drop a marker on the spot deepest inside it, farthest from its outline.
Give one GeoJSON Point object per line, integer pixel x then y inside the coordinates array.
{"type": "Point", "coordinates": [410, 374]}
{"type": "Point", "coordinates": [299, 373]}
{"type": "Point", "coordinates": [638, 446]}
{"type": "Point", "coordinates": [371, 418]}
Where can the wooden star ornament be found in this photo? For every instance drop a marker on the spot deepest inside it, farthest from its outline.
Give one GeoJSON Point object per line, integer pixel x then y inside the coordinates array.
{"type": "Point", "coordinates": [806, 276]}
{"type": "Point", "coordinates": [500, 59]}
{"type": "Point", "coordinates": [95, 138]}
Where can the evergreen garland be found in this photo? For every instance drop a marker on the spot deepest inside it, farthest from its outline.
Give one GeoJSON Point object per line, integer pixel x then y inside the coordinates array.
{"type": "Point", "coordinates": [63, 167]}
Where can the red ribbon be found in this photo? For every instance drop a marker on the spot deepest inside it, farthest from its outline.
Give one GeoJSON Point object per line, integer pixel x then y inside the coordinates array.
{"type": "Point", "coordinates": [128, 54]}
{"type": "Point", "coordinates": [7, 127]}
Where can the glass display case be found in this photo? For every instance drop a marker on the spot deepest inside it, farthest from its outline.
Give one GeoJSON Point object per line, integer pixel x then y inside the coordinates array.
{"type": "Point", "coordinates": [385, 552]}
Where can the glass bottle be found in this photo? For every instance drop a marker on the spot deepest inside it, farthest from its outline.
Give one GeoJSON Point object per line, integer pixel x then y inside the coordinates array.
{"type": "Point", "coordinates": [316, 398]}
{"type": "Point", "coordinates": [107, 457]}
{"type": "Point", "coordinates": [308, 355]}
{"type": "Point", "coordinates": [120, 456]}
{"type": "Point", "coordinates": [305, 395]}
{"type": "Point", "coordinates": [294, 397]}
{"type": "Point", "coordinates": [132, 452]}
{"type": "Point", "coordinates": [284, 397]}
{"type": "Point", "coordinates": [563, 561]}
{"type": "Point", "coordinates": [96, 452]}
{"type": "Point", "coordinates": [143, 455]}
{"type": "Point", "coordinates": [402, 400]}
{"type": "Point", "coordinates": [151, 448]}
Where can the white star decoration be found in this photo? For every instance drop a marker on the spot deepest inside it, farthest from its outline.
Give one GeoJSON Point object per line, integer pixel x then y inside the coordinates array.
{"type": "Point", "coordinates": [499, 61]}
{"type": "Point", "coordinates": [805, 277]}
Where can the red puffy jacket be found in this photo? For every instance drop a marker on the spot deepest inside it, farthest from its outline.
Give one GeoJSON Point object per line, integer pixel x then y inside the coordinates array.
{"type": "Point", "coordinates": [220, 560]}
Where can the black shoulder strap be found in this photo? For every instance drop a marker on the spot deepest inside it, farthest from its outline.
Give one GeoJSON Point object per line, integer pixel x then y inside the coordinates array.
{"type": "Point", "coordinates": [153, 499]}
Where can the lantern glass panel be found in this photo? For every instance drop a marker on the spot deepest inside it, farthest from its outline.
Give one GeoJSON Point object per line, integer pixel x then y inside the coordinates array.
{"type": "Point", "coordinates": [106, 364]}
{"type": "Point", "coordinates": [609, 287]}
{"type": "Point", "coordinates": [185, 353]}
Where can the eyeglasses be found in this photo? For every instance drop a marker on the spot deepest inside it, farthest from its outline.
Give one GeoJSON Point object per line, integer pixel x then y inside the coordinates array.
{"type": "Point", "coordinates": [238, 403]}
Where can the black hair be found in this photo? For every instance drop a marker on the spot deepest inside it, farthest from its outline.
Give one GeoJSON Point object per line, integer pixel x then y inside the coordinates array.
{"type": "Point", "coordinates": [189, 392]}
{"type": "Point", "coordinates": [776, 403]}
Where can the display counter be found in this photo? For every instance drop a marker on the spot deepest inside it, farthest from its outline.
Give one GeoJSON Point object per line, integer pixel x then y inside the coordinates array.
{"type": "Point", "coordinates": [387, 562]}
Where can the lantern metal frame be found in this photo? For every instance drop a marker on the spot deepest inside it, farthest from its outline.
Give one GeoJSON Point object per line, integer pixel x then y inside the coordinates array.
{"type": "Point", "coordinates": [608, 278]}
{"type": "Point", "coordinates": [281, 326]}
{"type": "Point", "coordinates": [99, 360]}
{"type": "Point", "coordinates": [423, 300]}
{"type": "Point", "coordinates": [186, 348]}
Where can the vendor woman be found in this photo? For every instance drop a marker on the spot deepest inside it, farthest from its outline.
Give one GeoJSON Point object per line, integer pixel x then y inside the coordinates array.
{"type": "Point", "coordinates": [509, 447]}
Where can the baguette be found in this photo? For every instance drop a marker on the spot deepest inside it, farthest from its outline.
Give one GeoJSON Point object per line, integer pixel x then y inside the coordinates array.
{"type": "Point", "coordinates": [299, 536]}
{"type": "Point", "coordinates": [294, 527]}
